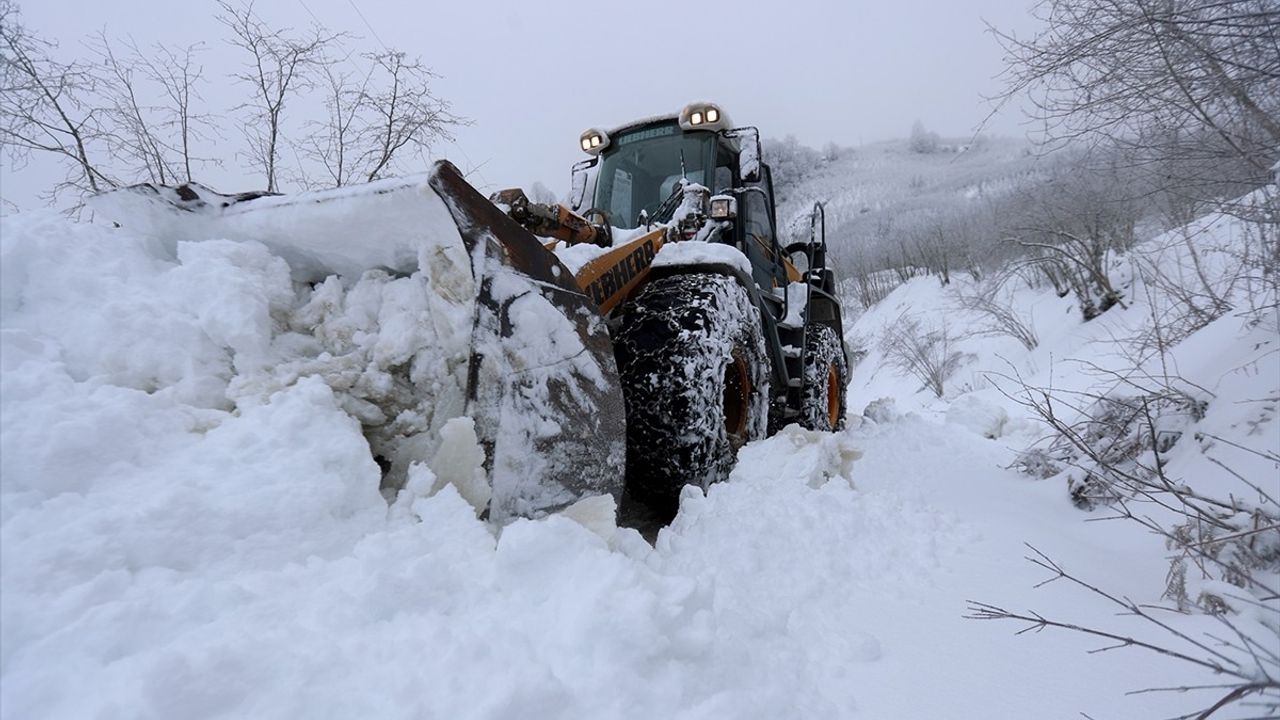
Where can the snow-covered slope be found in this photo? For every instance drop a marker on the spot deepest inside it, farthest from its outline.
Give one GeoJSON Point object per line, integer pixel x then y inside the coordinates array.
{"type": "Point", "coordinates": [186, 533]}
{"type": "Point", "coordinates": [875, 185]}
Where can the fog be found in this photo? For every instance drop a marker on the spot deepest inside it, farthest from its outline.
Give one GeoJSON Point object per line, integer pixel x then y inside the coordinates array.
{"type": "Point", "coordinates": [531, 77]}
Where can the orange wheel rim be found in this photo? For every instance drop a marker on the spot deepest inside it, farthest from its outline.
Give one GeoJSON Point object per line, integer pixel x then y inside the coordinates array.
{"type": "Point", "coordinates": [737, 396]}
{"type": "Point", "coordinates": [833, 396]}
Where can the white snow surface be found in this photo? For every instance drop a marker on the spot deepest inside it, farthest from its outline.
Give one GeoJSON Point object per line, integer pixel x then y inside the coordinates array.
{"type": "Point", "coordinates": [190, 522]}
{"type": "Point", "coordinates": [697, 252]}
{"type": "Point", "coordinates": [396, 224]}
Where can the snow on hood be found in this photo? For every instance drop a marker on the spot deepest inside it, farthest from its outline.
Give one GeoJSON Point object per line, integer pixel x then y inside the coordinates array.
{"type": "Point", "coordinates": [696, 252]}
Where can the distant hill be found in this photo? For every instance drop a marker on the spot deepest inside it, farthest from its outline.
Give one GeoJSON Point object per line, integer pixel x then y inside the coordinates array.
{"type": "Point", "coordinates": [868, 189]}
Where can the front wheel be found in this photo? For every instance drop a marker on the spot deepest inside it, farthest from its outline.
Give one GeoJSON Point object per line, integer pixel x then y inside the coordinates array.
{"type": "Point", "coordinates": [695, 378]}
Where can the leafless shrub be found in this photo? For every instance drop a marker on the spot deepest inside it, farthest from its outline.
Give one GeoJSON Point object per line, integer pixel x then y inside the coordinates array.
{"type": "Point", "coordinates": [1113, 455]}
{"type": "Point", "coordinates": [999, 316]}
{"type": "Point", "coordinates": [1246, 658]}
{"type": "Point", "coordinates": [1116, 448]}
{"type": "Point", "coordinates": [924, 354]}
{"type": "Point", "coordinates": [1038, 463]}
{"type": "Point", "coordinates": [136, 115]}
{"type": "Point", "coordinates": [872, 287]}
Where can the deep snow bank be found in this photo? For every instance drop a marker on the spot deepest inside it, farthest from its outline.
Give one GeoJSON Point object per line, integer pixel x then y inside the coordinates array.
{"type": "Point", "coordinates": [219, 325]}
{"type": "Point", "coordinates": [190, 526]}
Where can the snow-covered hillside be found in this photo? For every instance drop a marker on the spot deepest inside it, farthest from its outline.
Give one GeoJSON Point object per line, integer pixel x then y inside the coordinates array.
{"type": "Point", "coordinates": [880, 183]}
{"type": "Point", "coordinates": [169, 548]}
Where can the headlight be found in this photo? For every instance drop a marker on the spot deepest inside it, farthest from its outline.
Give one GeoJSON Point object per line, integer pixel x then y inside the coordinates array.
{"type": "Point", "coordinates": [703, 116]}
{"type": "Point", "coordinates": [593, 141]}
{"type": "Point", "coordinates": [724, 207]}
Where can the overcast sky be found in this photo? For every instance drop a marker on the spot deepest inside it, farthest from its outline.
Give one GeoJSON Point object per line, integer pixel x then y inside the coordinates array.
{"type": "Point", "coordinates": [532, 75]}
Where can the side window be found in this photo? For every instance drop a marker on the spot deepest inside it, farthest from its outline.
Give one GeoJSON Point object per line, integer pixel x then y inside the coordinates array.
{"type": "Point", "coordinates": [759, 236]}
{"type": "Point", "coordinates": [724, 179]}
{"type": "Point", "coordinates": [757, 222]}
{"type": "Point", "coordinates": [620, 203]}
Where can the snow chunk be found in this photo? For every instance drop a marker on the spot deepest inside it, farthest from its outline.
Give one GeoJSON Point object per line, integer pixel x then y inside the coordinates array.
{"type": "Point", "coordinates": [883, 410]}
{"type": "Point", "coordinates": [807, 455]}
{"type": "Point", "coordinates": [797, 303]}
{"type": "Point", "coordinates": [598, 513]}
{"type": "Point", "coordinates": [978, 415]}
{"type": "Point", "coordinates": [460, 462]}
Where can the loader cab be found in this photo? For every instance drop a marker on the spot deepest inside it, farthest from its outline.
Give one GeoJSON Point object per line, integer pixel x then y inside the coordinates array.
{"type": "Point", "coordinates": [639, 166]}
{"type": "Point", "coordinates": [642, 168]}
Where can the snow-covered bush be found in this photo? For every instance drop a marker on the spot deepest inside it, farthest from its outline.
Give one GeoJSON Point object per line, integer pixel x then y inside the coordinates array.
{"type": "Point", "coordinates": [1175, 430]}
{"type": "Point", "coordinates": [926, 354]}
{"type": "Point", "coordinates": [1116, 450]}
{"type": "Point", "coordinates": [923, 141]}
{"type": "Point", "coordinates": [999, 316]}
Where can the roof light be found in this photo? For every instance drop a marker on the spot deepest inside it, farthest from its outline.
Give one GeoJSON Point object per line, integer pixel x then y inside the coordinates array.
{"type": "Point", "coordinates": [703, 116]}
{"type": "Point", "coordinates": [594, 141]}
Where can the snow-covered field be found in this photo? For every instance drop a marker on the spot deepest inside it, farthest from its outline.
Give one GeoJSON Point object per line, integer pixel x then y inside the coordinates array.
{"type": "Point", "coordinates": [189, 530]}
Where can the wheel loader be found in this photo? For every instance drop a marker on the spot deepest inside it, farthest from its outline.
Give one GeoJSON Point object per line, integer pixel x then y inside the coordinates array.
{"type": "Point", "coordinates": [627, 344]}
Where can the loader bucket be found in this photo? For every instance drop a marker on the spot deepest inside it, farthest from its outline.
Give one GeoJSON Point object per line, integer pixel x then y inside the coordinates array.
{"type": "Point", "coordinates": [542, 385]}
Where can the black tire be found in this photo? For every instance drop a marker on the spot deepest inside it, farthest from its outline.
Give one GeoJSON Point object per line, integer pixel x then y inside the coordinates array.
{"type": "Point", "coordinates": [695, 379]}
{"type": "Point", "coordinates": [826, 380]}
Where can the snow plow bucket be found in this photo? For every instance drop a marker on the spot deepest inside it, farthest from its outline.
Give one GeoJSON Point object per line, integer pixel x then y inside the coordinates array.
{"type": "Point", "coordinates": [540, 383]}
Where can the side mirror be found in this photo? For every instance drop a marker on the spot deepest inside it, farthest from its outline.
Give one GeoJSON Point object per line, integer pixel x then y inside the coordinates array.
{"type": "Point", "coordinates": [748, 152]}
{"type": "Point", "coordinates": [578, 191]}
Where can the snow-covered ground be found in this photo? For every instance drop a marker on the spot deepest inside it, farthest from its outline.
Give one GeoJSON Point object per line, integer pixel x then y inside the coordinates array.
{"type": "Point", "coordinates": [182, 538]}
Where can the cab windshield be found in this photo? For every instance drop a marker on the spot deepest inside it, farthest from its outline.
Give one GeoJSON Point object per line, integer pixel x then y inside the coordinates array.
{"type": "Point", "coordinates": [641, 168]}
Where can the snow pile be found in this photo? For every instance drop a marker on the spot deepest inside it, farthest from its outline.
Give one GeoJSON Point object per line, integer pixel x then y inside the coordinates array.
{"type": "Point", "coordinates": [191, 523]}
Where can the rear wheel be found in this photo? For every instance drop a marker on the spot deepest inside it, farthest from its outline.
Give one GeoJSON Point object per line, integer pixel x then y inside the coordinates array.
{"type": "Point", "coordinates": [695, 379]}
{"type": "Point", "coordinates": [826, 376]}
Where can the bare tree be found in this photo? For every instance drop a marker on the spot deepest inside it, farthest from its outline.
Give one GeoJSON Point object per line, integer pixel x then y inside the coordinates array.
{"type": "Point", "coordinates": [374, 118]}
{"type": "Point", "coordinates": [131, 134]}
{"type": "Point", "coordinates": [332, 143]}
{"type": "Point", "coordinates": [178, 75]}
{"type": "Point", "coordinates": [1194, 80]}
{"type": "Point", "coordinates": [407, 114]}
{"type": "Point", "coordinates": [1080, 218]}
{"type": "Point", "coordinates": [279, 66]}
{"type": "Point", "coordinates": [46, 106]}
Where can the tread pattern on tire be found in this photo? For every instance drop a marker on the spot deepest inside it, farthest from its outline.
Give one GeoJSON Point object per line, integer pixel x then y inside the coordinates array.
{"type": "Point", "coordinates": [673, 344]}
{"type": "Point", "coordinates": [822, 351]}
